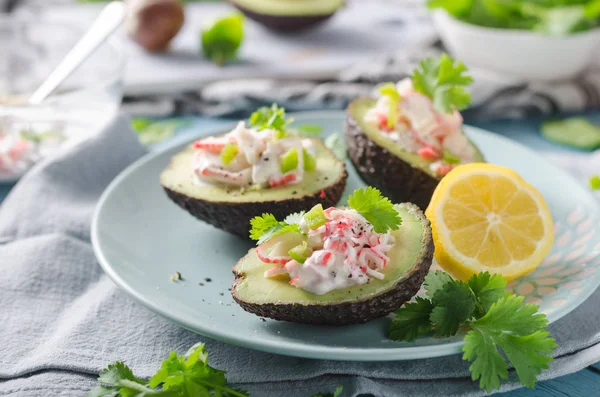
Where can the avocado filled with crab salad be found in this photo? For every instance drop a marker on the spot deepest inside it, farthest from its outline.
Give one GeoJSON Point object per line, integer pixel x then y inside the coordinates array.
{"type": "Point", "coordinates": [335, 266]}
{"type": "Point", "coordinates": [405, 141]}
{"type": "Point", "coordinates": [265, 166]}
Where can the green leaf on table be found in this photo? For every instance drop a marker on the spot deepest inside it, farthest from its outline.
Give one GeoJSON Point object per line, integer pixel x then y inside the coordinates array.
{"type": "Point", "coordinates": [576, 132]}
{"type": "Point", "coordinates": [222, 40]}
{"type": "Point", "coordinates": [336, 393]}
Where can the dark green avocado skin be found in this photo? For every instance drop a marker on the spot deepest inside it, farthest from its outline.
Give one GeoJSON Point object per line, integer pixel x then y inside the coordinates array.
{"type": "Point", "coordinates": [397, 179]}
{"type": "Point", "coordinates": [280, 23]}
{"type": "Point", "coordinates": [235, 217]}
{"type": "Point", "coordinates": [354, 312]}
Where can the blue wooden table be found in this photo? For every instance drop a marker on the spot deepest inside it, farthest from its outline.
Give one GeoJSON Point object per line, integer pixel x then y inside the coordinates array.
{"type": "Point", "coordinates": [585, 383]}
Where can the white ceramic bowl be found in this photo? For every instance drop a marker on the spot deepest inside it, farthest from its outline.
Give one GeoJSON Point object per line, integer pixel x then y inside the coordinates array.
{"type": "Point", "coordinates": [518, 53]}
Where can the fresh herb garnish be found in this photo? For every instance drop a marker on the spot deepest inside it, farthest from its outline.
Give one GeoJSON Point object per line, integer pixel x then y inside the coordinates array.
{"type": "Point", "coordinates": [376, 209]}
{"type": "Point", "coordinates": [595, 182]}
{"type": "Point", "coordinates": [369, 202]}
{"type": "Point", "coordinates": [337, 144]}
{"type": "Point", "coordinates": [222, 40]}
{"type": "Point", "coordinates": [271, 118]}
{"type": "Point", "coordinates": [497, 322]}
{"type": "Point", "coordinates": [389, 90]}
{"type": "Point", "coordinates": [336, 393]}
{"type": "Point", "coordinates": [309, 129]}
{"type": "Point", "coordinates": [266, 226]}
{"type": "Point", "coordinates": [443, 80]}
{"type": "Point", "coordinates": [179, 376]}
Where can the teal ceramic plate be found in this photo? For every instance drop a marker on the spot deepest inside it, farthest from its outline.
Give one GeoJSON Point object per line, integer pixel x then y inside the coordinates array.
{"type": "Point", "coordinates": [141, 238]}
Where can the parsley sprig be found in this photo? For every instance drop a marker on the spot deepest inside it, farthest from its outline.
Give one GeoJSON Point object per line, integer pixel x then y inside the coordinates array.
{"type": "Point", "coordinates": [495, 321]}
{"type": "Point", "coordinates": [179, 376]}
{"type": "Point", "coordinates": [443, 80]}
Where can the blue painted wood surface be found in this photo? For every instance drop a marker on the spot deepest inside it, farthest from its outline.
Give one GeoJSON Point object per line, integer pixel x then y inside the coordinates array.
{"type": "Point", "coordinates": [585, 383]}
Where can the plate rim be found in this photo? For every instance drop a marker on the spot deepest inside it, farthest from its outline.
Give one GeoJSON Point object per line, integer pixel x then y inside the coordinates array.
{"type": "Point", "coordinates": [294, 349]}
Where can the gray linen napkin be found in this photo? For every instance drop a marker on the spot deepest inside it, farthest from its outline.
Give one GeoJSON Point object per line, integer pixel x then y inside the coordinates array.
{"type": "Point", "coordinates": [62, 319]}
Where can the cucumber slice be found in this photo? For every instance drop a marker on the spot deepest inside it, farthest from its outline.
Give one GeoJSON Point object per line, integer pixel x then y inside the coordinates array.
{"type": "Point", "coordinates": [577, 132]}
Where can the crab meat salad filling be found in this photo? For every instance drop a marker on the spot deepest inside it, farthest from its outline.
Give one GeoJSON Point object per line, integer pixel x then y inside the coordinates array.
{"type": "Point", "coordinates": [326, 249]}
{"type": "Point", "coordinates": [265, 154]}
{"type": "Point", "coordinates": [422, 116]}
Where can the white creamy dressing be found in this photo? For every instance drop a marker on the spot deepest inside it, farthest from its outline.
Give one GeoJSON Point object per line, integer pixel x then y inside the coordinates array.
{"type": "Point", "coordinates": [345, 252]}
{"type": "Point", "coordinates": [256, 163]}
{"type": "Point", "coordinates": [420, 126]}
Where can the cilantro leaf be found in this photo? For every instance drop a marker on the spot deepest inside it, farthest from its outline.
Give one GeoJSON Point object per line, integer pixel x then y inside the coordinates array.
{"type": "Point", "coordinates": [443, 80]}
{"type": "Point", "coordinates": [336, 393]}
{"type": "Point", "coordinates": [435, 281]}
{"type": "Point", "coordinates": [487, 363]}
{"type": "Point", "coordinates": [487, 290]}
{"type": "Point", "coordinates": [260, 225]}
{"type": "Point", "coordinates": [516, 329]}
{"type": "Point", "coordinates": [511, 315]}
{"type": "Point", "coordinates": [411, 320]}
{"type": "Point", "coordinates": [454, 305]}
{"type": "Point", "coordinates": [528, 354]}
{"type": "Point", "coordinates": [116, 372]}
{"type": "Point", "coordinates": [267, 226]}
{"type": "Point", "coordinates": [270, 118]}
{"type": "Point", "coordinates": [376, 209]}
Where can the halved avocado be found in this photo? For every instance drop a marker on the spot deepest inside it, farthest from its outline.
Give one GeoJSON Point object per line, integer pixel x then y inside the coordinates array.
{"type": "Point", "coordinates": [410, 260]}
{"type": "Point", "coordinates": [231, 209]}
{"type": "Point", "coordinates": [400, 175]}
{"type": "Point", "coordinates": [288, 15]}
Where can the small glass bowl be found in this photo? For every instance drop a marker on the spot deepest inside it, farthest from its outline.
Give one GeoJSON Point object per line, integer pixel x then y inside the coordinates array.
{"type": "Point", "coordinates": [84, 102]}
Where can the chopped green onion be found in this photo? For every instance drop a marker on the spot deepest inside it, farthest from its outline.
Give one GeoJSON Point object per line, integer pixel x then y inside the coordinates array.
{"type": "Point", "coordinates": [315, 217]}
{"type": "Point", "coordinates": [289, 161]}
{"type": "Point", "coordinates": [595, 182]}
{"type": "Point", "coordinates": [300, 252]}
{"type": "Point", "coordinates": [450, 157]}
{"type": "Point", "coordinates": [389, 90]}
{"type": "Point", "coordinates": [228, 153]}
{"type": "Point", "coordinates": [310, 162]}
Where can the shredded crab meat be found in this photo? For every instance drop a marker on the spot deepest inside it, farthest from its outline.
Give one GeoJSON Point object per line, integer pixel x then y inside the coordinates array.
{"type": "Point", "coordinates": [422, 129]}
{"type": "Point", "coordinates": [346, 251]}
{"type": "Point", "coordinates": [257, 160]}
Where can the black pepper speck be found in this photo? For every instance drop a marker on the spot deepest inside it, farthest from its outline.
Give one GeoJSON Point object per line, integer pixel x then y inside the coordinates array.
{"type": "Point", "coordinates": [208, 280]}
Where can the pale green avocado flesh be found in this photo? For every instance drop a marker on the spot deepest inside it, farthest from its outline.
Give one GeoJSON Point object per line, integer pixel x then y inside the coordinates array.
{"type": "Point", "coordinates": [411, 243]}
{"type": "Point", "coordinates": [291, 7]}
{"type": "Point", "coordinates": [360, 109]}
{"type": "Point", "coordinates": [179, 177]}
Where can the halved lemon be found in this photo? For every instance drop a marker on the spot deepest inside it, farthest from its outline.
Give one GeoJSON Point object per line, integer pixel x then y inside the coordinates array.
{"type": "Point", "coordinates": [486, 217]}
